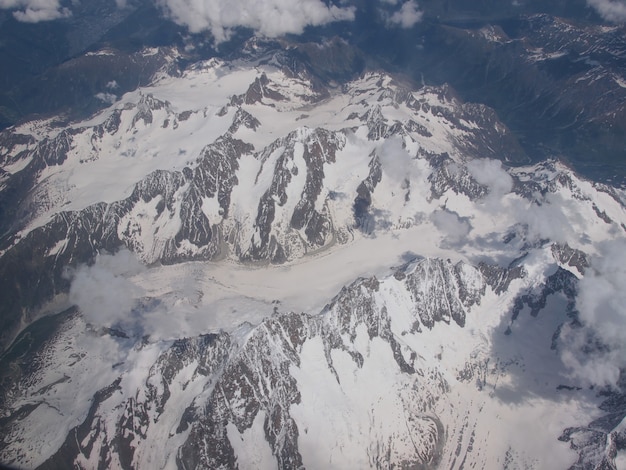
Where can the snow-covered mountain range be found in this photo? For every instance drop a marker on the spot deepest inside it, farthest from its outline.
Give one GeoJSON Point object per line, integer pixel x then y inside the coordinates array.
{"type": "Point", "coordinates": [246, 265]}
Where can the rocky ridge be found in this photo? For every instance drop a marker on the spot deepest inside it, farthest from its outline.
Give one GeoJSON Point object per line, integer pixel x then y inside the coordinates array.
{"type": "Point", "coordinates": [215, 393]}
{"type": "Point", "coordinates": [281, 168]}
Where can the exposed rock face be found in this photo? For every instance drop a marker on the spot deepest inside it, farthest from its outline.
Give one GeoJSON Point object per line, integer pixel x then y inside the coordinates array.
{"type": "Point", "coordinates": [568, 256]}
{"type": "Point", "coordinates": [259, 90]}
{"type": "Point", "coordinates": [187, 214]}
{"type": "Point", "coordinates": [201, 402]}
{"type": "Point", "coordinates": [549, 78]}
{"type": "Point", "coordinates": [240, 381]}
{"type": "Point", "coordinates": [441, 292]}
{"type": "Point", "coordinates": [598, 442]}
{"type": "Point", "coordinates": [304, 153]}
{"type": "Point", "coordinates": [363, 200]}
{"type": "Point", "coordinates": [283, 168]}
{"type": "Point", "coordinates": [177, 199]}
{"type": "Point", "coordinates": [450, 175]}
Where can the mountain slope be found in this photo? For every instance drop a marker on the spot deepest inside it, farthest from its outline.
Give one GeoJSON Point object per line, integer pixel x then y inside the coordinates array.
{"type": "Point", "coordinates": [244, 264]}
{"type": "Point", "coordinates": [422, 347]}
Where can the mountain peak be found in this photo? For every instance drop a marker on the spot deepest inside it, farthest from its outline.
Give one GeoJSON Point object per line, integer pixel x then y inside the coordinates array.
{"type": "Point", "coordinates": [248, 261]}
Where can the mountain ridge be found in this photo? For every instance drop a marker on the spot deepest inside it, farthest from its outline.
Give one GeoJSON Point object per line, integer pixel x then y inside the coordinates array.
{"type": "Point", "coordinates": [200, 276]}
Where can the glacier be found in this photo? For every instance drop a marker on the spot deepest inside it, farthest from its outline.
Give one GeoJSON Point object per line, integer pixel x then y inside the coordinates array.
{"type": "Point", "coordinates": [243, 266]}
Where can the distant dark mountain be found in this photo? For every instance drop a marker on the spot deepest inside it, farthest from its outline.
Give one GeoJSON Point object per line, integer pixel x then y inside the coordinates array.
{"type": "Point", "coordinates": [45, 70]}
{"type": "Point", "coordinates": [554, 80]}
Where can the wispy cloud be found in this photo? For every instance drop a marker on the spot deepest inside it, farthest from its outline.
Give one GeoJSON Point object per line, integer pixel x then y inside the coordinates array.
{"type": "Point", "coordinates": [102, 291]}
{"type": "Point", "coordinates": [556, 218]}
{"type": "Point", "coordinates": [454, 227]}
{"type": "Point", "coordinates": [610, 10]}
{"type": "Point", "coordinates": [596, 351]}
{"type": "Point", "coordinates": [395, 161]}
{"type": "Point", "coordinates": [400, 13]}
{"type": "Point", "coordinates": [490, 173]}
{"type": "Point", "coordinates": [109, 293]}
{"type": "Point", "coordinates": [34, 11]}
{"type": "Point", "coordinates": [407, 16]}
{"type": "Point", "coordinates": [270, 18]}
{"type": "Point", "coordinates": [108, 98]}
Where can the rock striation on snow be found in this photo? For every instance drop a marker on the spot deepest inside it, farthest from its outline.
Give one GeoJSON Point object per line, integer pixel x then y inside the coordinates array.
{"type": "Point", "coordinates": [259, 164]}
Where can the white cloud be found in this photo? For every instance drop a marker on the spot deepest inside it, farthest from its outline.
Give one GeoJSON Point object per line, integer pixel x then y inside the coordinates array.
{"type": "Point", "coordinates": [454, 228]}
{"type": "Point", "coordinates": [553, 216]}
{"type": "Point", "coordinates": [490, 173]}
{"type": "Point", "coordinates": [610, 10]}
{"type": "Point", "coordinates": [110, 293]}
{"type": "Point", "coordinates": [109, 98]}
{"type": "Point", "coordinates": [408, 15]}
{"type": "Point", "coordinates": [271, 18]}
{"type": "Point", "coordinates": [596, 352]}
{"type": "Point", "coordinates": [34, 11]}
{"type": "Point", "coordinates": [394, 159]}
{"type": "Point", "coordinates": [556, 218]}
{"type": "Point", "coordinates": [102, 291]}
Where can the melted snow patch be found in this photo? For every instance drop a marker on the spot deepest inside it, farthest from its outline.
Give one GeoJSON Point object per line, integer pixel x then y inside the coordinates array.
{"type": "Point", "coordinates": [251, 447]}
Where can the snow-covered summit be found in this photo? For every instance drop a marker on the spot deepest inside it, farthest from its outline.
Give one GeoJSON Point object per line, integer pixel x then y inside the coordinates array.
{"type": "Point", "coordinates": [174, 235]}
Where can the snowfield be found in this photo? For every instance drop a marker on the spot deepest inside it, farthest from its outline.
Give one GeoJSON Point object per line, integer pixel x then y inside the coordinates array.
{"type": "Point", "coordinates": [337, 278]}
